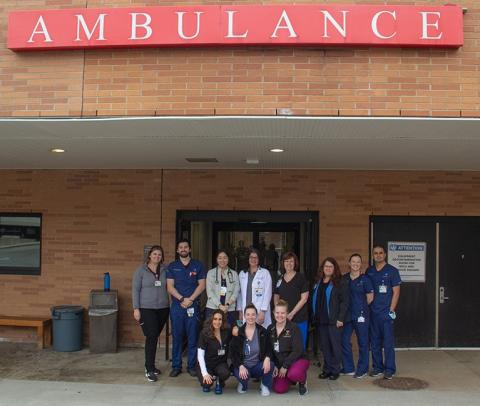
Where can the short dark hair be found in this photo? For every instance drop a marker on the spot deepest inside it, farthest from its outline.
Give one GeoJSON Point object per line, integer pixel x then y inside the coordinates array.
{"type": "Point", "coordinates": [182, 241]}
{"type": "Point", "coordinates": [290, 255]}
{"type": "Point", "coordinates": [379, 246]}
{"type": "Point", "coordinates": [250, 306]}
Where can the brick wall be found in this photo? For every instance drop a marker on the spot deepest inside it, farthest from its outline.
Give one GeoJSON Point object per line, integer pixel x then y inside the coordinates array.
{"type": "Point", "coordinates": [98, 221]}
{"type": "Point", "coordinates": [226, 81]}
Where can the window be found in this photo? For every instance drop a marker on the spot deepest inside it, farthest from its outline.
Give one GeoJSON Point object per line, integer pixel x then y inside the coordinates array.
{"type": "Point", "coordinates": [20, 243]}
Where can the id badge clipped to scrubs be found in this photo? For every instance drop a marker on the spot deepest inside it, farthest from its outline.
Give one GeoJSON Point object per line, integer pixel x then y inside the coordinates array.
{"type": "Point", "coordinates": [382, 288]}
{"type": "Point", "coordinates": [221, 351]}
{"type": "Point", "coordinates": [190, 311]}
{"type": "Point", "coordinates": [258, 291]}
{"type": "Point", "coordinates": [276, 346]}
{"type": "Point", "coordinates": [158, 283]}
{"type": "Point", "coordinates": [361, 319]}
{"type": "Point", "coordinates": [223, 291]}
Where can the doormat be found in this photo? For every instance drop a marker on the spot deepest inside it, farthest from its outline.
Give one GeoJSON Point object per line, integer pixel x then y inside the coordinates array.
{"type": "Point", "coordinates": [401, 383]}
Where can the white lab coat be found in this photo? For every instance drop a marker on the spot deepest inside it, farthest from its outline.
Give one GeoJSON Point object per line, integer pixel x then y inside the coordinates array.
{"type": "Point", "coordinates": [261, 293]}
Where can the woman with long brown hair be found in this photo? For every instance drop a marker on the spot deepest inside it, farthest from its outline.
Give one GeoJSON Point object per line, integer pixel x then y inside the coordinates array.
{"type": "Point", "coordinates": [330, 301]}
{"type": "Point", "coordinates": [212, 352]}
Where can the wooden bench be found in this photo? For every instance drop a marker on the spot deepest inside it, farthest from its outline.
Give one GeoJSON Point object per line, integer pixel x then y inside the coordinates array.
{"type": "Point", "coordinates": [42, 324]}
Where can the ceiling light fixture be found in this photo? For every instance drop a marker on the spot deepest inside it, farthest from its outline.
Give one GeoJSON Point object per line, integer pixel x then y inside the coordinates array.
{"type": "Point", "coordinates": [57, 150]}
{"type": "Point", "coordinates": [277, 150]}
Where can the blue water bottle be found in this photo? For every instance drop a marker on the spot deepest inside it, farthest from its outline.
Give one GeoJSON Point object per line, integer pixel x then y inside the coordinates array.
{"type": "Point", "coordinates": [106, 282]}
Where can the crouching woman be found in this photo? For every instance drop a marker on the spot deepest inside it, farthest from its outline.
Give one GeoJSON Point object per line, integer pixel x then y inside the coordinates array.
{"type": "Point", "coordinates": [212, 352]}
{"type": "Point", "coordinates": [288, 356]}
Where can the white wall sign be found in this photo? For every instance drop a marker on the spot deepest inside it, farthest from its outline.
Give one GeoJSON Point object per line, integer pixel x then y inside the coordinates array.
{"type": "Point", "coordinates": [409, 258]}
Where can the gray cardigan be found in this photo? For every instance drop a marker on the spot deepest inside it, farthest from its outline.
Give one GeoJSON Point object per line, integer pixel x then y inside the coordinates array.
{"type": "Point", "coordinates": [213, 288]}
{"type": "Point", "coordinates": [145, 294]}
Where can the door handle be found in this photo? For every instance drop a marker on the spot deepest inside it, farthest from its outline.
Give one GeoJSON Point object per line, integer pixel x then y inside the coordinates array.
{"type": "Point", "coordinates": [442, 295]}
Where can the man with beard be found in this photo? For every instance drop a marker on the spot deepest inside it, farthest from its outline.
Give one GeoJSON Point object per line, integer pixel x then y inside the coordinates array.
{"type": "Point", "coordinates": [185, 283]}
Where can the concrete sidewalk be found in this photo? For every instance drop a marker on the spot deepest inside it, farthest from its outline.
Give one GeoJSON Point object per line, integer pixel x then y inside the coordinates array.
{"type": "Point", "coordinates": [33, 377]}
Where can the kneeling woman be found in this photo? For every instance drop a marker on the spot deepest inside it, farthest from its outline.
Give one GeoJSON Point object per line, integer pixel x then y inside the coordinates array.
{"type": "Point", "coordinates": [251, 352]}
{"type": "Point", "coordinates": [288, 357]}
{"type": "Point", "coordinates": [212, 352]}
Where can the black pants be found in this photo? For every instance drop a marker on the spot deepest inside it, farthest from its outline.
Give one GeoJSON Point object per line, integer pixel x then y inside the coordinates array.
{"type": "Point", "coordinates": [221, 370]}
{"type": "Point", "coordinates": [152, 322]}
{"type": "Point", "coordinates": [331, 346]}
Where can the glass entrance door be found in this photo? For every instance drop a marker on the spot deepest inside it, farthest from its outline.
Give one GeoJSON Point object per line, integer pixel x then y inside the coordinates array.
{"type": "Point", "coordinates": [270, 239]}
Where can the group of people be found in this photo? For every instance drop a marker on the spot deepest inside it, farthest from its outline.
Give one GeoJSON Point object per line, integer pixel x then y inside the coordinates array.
{"type": "Point", "coordinates": [238, 323]}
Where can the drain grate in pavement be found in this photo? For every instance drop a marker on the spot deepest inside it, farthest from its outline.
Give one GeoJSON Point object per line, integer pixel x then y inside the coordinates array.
{"type": "Point", "coordinates": [401, 383]}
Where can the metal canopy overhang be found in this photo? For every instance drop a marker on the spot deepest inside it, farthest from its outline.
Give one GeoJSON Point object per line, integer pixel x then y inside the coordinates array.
{"type": "Point", "coordinates": [352, 143]}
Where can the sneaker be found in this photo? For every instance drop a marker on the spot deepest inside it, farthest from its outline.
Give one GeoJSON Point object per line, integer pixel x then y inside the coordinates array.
{"type": "Point", "coordinates": [206, 388]}
{"type": "Point", "coordinates": [388, 375]}
{"type": "Point", "coordinates": [192, 372]}
{"type": "Point", "coordinates": [156, 371]}
{"type": "Point", "coordinates": [333, 377]}
{"type": "Point", "coordinates": [360, 376]}
{"type": "Point", "coordinates": [342, 372]}
{"type": "Point", "coordinates": [241, 389]}
{"type": "Point", "coordinates": [151, 377]}
{"type": "Point", "coordinates": [302, 388]}
{"type": "Point", "coordinates": [175, 372]}
{"type": "Point", "coordinates": [375, 373]}
{"type": "Point", "coordinates": [264, 391]}
{"type": "Point", "coordinates": [324, 375]}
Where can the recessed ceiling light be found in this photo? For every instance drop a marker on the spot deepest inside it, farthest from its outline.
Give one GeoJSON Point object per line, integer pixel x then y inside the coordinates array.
{"type": "Point", "coordinates": [252, 161]}
{"type": "Point", "coordinates": [57, 150]}
{"type": "Point", "coordinates": [277, 150]}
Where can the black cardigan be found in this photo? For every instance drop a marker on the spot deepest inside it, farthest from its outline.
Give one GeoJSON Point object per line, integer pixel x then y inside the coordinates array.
{"type": "Point", "coordinates": [236, 345]}
{"type": "Point", "coordinates": [339, 303]}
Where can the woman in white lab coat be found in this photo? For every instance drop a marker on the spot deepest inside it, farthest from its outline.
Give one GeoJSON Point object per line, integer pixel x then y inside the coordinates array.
{"type": "Point", "coordinates": [256, 288]}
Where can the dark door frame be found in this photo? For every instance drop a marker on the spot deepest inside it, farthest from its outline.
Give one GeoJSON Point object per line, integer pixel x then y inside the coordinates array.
{"type": "Point", "coordinates": [438, 221]}
{"type": "Point", "coordinates": [310, 219]}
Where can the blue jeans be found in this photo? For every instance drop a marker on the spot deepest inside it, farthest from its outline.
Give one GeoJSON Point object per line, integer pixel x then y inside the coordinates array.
{"type": "Point", "coordinates": [255, 372]}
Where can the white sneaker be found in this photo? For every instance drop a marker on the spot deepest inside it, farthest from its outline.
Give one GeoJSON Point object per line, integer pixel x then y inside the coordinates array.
{"type": "Point", "coordinates": [240, 389]}
{"type": "Point", "coordinates": [264, 391]}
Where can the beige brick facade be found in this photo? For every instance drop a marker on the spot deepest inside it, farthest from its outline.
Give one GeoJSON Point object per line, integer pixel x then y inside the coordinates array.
{"type": "Point", "coordinates": [99, 221]}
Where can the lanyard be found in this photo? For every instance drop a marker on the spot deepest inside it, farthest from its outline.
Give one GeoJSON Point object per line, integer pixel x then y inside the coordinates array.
{"type": "Point", "coordinates": [229, 274]}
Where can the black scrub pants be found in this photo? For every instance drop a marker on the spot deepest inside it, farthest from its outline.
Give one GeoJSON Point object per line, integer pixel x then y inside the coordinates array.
{"type": "Point", "coordinates": [331, 345]}
{"type": "Point", "coordinates": [222, 371]}
{"type": "Point", "coordinates": [152, 322]}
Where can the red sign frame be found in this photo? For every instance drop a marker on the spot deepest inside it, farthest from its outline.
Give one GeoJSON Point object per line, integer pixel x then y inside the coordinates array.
{"type": "Point", "coordinates": [232, 25]}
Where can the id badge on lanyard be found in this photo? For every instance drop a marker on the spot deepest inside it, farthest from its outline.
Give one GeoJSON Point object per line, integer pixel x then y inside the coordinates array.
{"type": "Point", "coordinates": [190, 311]}
{"type": "Point", "coordinates": [276, 346]}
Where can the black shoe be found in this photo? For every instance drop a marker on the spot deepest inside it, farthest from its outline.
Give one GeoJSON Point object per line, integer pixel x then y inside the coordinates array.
{"type": "Point", "coordinates": [324, 375]}
{"type": "Point", "coordinates": [302, 388]}
{"type": "Point", "coordinates": [175, 372]}
{"type": "Point", "coordinates": [192, 372]}
{"type": "Point", "coordinates": [156, 371]}
{"type": "Point", "coordinates": [333, 377]}
{"type": "Point", "coordinates": [151, 377]}
{"type": "Point", "coordinates": [388, 375]}
{"type": "Point", "coordinates": [375, 373]}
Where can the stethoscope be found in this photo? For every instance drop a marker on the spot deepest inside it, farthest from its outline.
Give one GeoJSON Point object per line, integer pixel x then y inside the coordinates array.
{"type": "Point", "coordinates": [229, 274]}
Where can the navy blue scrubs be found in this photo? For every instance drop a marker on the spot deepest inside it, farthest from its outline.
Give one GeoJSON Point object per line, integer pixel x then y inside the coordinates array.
{"type": "Point", "coordinates": [360, 321]}
{"type": "Point", "coordinates": [381, 325]}
{"type": "Point", "coordinates": [185, 321]}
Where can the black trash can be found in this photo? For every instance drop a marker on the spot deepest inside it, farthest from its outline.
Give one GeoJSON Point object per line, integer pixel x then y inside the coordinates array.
{"type": "Point", "coordinates": [103, 315]}
{"type": "Point", "coordinates": [67, 328]}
